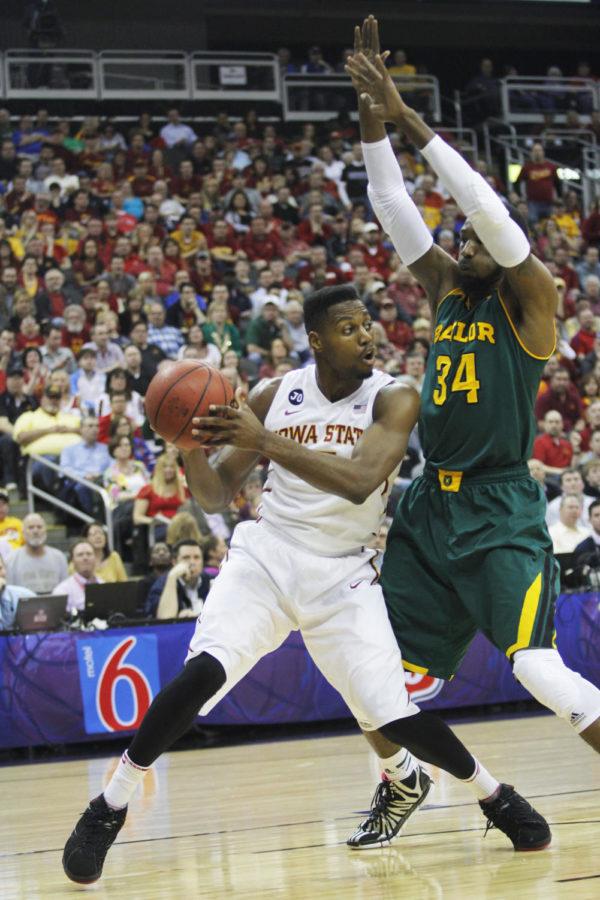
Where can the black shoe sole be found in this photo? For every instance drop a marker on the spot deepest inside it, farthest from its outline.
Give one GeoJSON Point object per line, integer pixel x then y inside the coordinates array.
{"type": "Point", "coordinates": [535, 848]}
{"type": "Point", "coordinates": [78, 879]}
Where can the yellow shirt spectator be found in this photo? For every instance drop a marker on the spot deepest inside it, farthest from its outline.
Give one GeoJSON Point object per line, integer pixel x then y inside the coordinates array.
{"type": "Point", "coordinates": [401, 67]}
{"type": "Point", "coordinates": [16, 245]}
{"type": "Point", "coordinates": [11, 528]}
{"type": "Point", "coordinates": [47, 431]}
{"type": "Point", "coordinates": [400, 71]}
{"type": "Point", "coordinates": [568, 224]}
{"type": "Point", "coordinates": [110, 570]}
{"type": "Point", "coordinates": [190, 240]}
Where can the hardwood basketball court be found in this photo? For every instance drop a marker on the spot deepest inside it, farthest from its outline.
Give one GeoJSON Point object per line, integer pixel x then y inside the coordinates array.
{"type": "Point", "coordinates": [270, 820]}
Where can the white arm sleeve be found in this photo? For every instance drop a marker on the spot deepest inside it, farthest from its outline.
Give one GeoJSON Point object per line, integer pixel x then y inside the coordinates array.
{"type": "Point", "coordinates": [391, 202]}
{"type": "Point", "coordinates": [502, 237]}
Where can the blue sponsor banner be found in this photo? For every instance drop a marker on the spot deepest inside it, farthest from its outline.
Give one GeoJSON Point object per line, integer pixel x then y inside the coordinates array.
{"type": "Point", "coordinates": [65, 687]}
{"type": "Point", "coordinates": [118, 676]}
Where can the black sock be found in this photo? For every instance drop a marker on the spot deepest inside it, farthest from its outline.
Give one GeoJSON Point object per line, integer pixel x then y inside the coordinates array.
{"type": "Point", "coordinates": [429, 738]}
{"type": "Point", "coordinates": [174, 709]}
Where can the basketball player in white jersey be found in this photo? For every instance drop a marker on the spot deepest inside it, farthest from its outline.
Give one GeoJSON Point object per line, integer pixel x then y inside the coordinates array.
{"type": "Point", "coordinates": [336, 433]}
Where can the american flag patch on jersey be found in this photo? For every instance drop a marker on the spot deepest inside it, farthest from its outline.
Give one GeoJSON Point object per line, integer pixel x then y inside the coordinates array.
{"type": "Point", "coordinates": [359, 407]}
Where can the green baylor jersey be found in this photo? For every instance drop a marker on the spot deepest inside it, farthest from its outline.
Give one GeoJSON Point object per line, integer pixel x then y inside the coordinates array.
{"type": "Point", "coordinates": [479, 389]}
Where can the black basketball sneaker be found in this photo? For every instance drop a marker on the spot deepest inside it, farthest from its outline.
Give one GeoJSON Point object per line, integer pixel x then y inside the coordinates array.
{"type": "Point", "coordinates": [520, 822]}
{"type": "Point", "coordinates": [90, 841]}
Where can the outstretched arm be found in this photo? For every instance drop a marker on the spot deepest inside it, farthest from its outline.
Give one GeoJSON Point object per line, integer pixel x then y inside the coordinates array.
{"type": "Point", "coordinates": [215, 484]}
{"type": "Point", "coordinates": [376, 454]}
{"type": "Point", "coordinates": [529, 289]}
{"type": "Point", "coordinates": [431, 266]}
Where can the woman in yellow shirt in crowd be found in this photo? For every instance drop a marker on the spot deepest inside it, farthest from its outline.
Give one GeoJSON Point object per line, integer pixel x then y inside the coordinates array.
{"type": "Point", "coordinates": [109, 566]}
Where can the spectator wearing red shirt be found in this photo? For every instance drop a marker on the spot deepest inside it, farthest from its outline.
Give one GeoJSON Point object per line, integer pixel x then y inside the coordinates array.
{"type": "Point", "coordinates": [118, 405]}
{"type": "Point", "coordinates": [51, 303]}
{"type": "Point", "coordinates": [17, 200]}
{"type": "Point", "coordinates": [153, 219]}
{"type": "Point", "coordinates": [29, 334]}
{"type": "Point", "coordinates": [163, 272]}
{"type": "Point", "coordinates": [592, 424]}
{"type": "Point", "coordinates": [541, 183]}
{"type": "Point", "coordinates": [374, 253]}
{"type": "Point", "coordinates": [126, 222]}
{"type": "Point", "coordinates": [88, 267]}
{"type": "Point", "coordinates": [53, 252]}
{"type": "Point", "coordinates": [590, 227]}
{"type": "Point", "coordinates": [222, 243]}
{"type": "Point", "coordinates": [43, 211]}
{"type": "Point", "coordinates": [142, 182]}
{"type": "Point", "coordinates": [80, 210]}
{"type": "Point", "coordinates": [314, 229]}
{"type": "Point", "coordinates": [317, 271]}
{"type": "Point", "coordinates": [258, 244]}
{"type": "Point", "coordinates": [272, 223]}
{"type": "Point", "coordinates": [564, 269]}
{"type": "Point", "coordinates": [584, 340]}
{"type": "Point", "coordinates": [132, 264]}
{"type": "Point", "coordinates": [186, 182]}
{"type": "Point", "coordinates": [36, 249]}
{"type": "Point", "coordinates": [96, 231]}
{"type": "Point", "coordinates": [398, 333]}
{"type": "Point", "coordinates": [563, 397]}
{"type": "Point", "coordinates": [292, 248]}
{"type": "Point", "coordinates": [405, 290]}
{"type": "Point", "coordinates": [553, 451]}
{"type": "Point", "coordinates": [137, 150]}
{"type": "Point", "coordinates": [75, 332]}
{"type": "Point", "coordinates": [155, 504]}
{"type": "Point", "coordinates": [433, 199]}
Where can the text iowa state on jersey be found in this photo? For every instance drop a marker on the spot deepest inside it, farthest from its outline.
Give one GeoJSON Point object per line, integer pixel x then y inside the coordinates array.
{"type": "Point", "coordinates": [330, 434]}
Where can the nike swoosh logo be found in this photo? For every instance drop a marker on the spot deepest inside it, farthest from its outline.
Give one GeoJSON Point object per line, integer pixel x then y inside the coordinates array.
{"type": "Point", "coordinates": [291, 412]}
{"type": "Point", "coordinates": [356, 584]}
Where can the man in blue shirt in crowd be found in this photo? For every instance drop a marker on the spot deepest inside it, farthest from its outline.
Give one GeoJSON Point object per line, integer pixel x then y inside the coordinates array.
{"type": "Point", "coordinates": [88, 459]}
{"type": "Point", "coordinates": [10, 594]}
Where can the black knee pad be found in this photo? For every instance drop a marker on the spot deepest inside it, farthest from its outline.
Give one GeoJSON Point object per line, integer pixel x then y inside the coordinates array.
{"type": "Point", "coordinates": [203, 674]}
{"type": "Point", "coordinates": [430, 739]}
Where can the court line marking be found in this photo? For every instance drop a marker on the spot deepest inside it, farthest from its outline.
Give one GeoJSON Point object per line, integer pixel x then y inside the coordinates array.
{"type": "Point", "coordinates": [195, 834]}
{"type": "Point", "coordinates": [414, 834]}
{"type": "Point", "coordinates": [577, 878]}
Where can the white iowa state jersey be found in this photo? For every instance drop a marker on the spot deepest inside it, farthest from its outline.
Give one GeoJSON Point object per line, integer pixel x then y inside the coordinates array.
{"type": "Point", "coordinates": [325, 523]}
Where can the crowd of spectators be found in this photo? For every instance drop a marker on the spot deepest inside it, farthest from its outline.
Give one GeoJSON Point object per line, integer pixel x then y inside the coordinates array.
{"type": "Point", "coordinates": [121, 248]}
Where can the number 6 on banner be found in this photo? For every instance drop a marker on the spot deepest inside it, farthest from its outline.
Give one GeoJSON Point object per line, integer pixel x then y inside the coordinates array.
{"type": "Point", "coordinates": [113, 671]}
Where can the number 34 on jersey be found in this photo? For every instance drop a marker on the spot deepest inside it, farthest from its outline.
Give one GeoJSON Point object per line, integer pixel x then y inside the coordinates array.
{"type": "Point", "coordinates": [462, 376]}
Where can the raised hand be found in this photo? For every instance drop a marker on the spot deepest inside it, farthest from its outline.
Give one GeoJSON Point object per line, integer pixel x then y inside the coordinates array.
{"type": "Point", "coordinates": [366, 42]}
{"type": "Point", "coordinates": [366, 39]}
{"type": "Point", "coordinates": [375, 87]}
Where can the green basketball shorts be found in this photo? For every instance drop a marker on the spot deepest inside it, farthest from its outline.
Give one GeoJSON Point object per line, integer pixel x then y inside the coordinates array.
{"type": "Point", "coordinates": [468, 552]}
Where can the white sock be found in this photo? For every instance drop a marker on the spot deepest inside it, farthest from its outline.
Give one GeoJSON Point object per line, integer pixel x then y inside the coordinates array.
{"type": "Point", "coordinates": [483, 785]}
{"type": "Point", "coordinates": [399, 766]}
{"type": "Point", "coordinates": [122, 785]}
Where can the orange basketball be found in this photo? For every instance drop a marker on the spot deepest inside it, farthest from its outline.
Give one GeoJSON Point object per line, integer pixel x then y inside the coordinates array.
{"type": "Point", "coordinates": [180, 391]}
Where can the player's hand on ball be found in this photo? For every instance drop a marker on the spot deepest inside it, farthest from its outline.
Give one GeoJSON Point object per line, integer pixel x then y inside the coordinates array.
{"type": "Point", "coordinates": [234, 425]}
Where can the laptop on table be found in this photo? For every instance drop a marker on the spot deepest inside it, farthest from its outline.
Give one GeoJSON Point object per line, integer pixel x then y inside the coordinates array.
{"type": "Point", "coordinates": [117, 602]}
{"type": "Point", "coordinates": [44, 612]}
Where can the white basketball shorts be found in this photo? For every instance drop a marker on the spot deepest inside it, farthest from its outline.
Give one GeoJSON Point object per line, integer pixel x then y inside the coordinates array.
{"type": "Point", "coordinates": [268, 587]}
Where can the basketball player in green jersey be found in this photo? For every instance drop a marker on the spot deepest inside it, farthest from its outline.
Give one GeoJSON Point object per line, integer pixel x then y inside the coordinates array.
{"type": "Point", "coordinates": [468, 549]}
